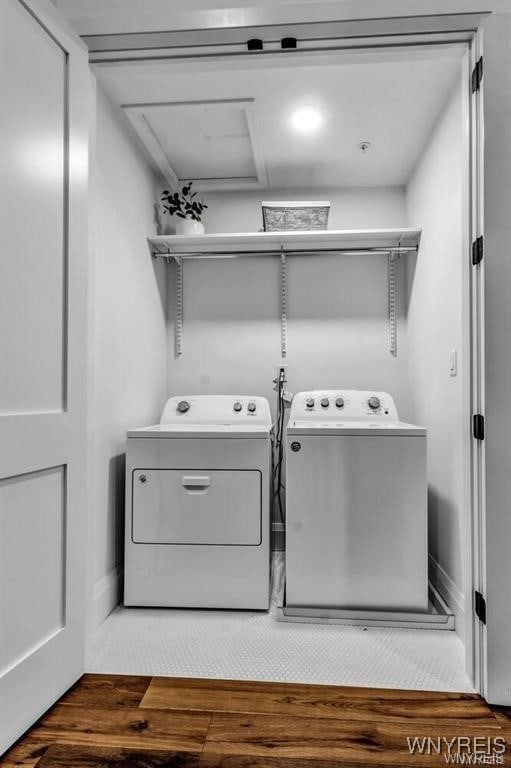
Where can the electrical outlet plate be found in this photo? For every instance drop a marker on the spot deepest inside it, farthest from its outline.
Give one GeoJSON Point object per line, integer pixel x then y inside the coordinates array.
{"type": "Point", "coordinates": [281, 367]}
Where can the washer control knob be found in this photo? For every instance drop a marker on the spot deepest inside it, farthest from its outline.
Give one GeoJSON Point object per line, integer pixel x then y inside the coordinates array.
{"type": "Point", "coordinates": [339, 403]}
{"type": "Point", "coordinates": [374, 403]}
{"type": "Point", "coordinates": [309, 402]}
{"type": "Point", "coordinates": [142, 478]}
{"type": "Point", "coordinates": [183, 406]}
{"type": "Point", "coordinates": [237, 406]}
{"type": "Point", "coordinates": [325, 402]}
{"type": "Point", "coordinates": [251, 407]}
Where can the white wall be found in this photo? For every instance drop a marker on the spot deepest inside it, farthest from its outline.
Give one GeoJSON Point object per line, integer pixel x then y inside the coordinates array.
{"type": "Point", "coordinates": [95, 18]}
{"type": "Point", "coordinates": [434, 325]}
{"type": "Point", "coordinates": [337, 332]}
{"type": "Point", "coordinates": [128, 337]}
{"type": "Point", "coordinates": [351, 208]}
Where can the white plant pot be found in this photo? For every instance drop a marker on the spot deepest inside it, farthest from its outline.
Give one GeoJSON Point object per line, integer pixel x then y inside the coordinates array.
{"type": "Point", "coordinates": [189, 227]}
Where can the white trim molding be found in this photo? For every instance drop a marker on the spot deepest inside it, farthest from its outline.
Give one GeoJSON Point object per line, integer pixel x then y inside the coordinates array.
{"type": "Point", "coordinates": [106, 595]}
{"type": "Point", "coordinates": [450, 592]}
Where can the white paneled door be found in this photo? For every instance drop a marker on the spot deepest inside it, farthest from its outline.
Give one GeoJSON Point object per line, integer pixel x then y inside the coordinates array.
{"type": "Point", "coordinates": [44, 98]}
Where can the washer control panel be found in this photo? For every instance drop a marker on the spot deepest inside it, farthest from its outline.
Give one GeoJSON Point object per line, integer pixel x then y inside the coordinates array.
{"type": "Point", "coordinates": [343, 405]}
{"type": "Point", "coordinates": [216, 409]}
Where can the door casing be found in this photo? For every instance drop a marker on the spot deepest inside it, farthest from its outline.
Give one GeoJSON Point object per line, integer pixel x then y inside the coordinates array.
{"type": "Point", "coordinates": [146, 50]}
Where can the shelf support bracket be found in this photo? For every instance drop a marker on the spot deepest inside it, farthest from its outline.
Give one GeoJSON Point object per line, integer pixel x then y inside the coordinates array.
{"type": "Point", "coordinates": [178, 320]}
{"type": "Point", "coordinates": [392, 302]}
{"type": "Point", "coordinates": [283, 303]}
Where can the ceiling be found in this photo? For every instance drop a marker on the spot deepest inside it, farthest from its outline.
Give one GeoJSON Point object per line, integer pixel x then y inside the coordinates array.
{"type": "Point", "coordinates": [228, 126]}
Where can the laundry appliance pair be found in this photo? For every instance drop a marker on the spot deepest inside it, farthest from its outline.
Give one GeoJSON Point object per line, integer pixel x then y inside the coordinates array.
{"type": "Point", "coordinates": [198, 500]}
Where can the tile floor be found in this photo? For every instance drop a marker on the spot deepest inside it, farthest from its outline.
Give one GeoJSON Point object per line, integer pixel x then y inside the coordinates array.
{"type": "Point", "coordinates": [255, 646]}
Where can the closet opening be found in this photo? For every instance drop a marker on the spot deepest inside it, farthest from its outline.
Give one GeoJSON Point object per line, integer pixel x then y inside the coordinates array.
{"type": "Point", "coordinates": [379, 139]}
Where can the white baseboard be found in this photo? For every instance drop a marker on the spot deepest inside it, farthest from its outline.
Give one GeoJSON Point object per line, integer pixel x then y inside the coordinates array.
{"type": "Point", "coordinates": [450, 592]}
{"type": "Point", "coordinates": [106, 595]}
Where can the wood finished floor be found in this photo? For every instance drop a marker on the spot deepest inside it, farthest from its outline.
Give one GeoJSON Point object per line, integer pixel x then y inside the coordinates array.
{"type": "Point", "coordinates": [117, 721]}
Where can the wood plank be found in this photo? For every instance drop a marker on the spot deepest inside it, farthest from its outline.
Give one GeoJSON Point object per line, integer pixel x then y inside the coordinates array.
{"type": "Point", "coordinates": [503, 716]}
{"type": "Point", "coordinates": [131, 728]}
{"type": "Point", "coordinates": [107, 691]}
{"type": "Point", "coordinates": [368, 744]}
{"type": "Point", "coordinates": [26, 753]}
{"type": "Point", "coordinates": [98, 724]}
{"type": "Point", "coordinates": [58, 756]}
{"type": "Point", "coordinates": [325, 701]}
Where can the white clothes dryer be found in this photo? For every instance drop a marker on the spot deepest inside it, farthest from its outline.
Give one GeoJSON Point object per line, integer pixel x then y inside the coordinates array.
{"type": "Point", "coordinates": [198, 505]}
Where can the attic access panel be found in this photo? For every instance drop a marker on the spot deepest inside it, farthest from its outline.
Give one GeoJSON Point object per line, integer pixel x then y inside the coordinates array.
{"type": "Point", "coordinates": [215, 143]}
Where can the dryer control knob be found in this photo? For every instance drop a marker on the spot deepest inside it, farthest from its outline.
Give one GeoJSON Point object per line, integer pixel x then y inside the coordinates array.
{"type": "Point", "coordinates": [325, 402]}
{"type": "Point", "coordinates": [374, 403]}
{"type": "Point", "coordinates": [309, 402]}
{"type": "Point", "coordinates": [251, 407]}
{"type": "Point", "coordinates": [339, 402]}
{"type": "Point", "coordinates": [237, 406]}
{"type": "Point", "coordinates": [183, 406]}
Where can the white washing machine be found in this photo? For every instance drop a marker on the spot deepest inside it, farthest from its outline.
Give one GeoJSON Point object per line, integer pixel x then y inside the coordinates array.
{"type": "Point", "coordinates": [198, 505]}
{"type": "Point", "coordinates": [356, 504]}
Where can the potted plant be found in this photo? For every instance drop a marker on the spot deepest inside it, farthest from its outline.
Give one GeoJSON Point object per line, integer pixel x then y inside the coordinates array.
{"type": "Point", "coordinates": [188, 207]}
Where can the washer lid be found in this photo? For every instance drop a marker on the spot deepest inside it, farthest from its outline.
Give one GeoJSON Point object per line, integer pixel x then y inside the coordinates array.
{"type": "Point", "coordinates": [355, 428]}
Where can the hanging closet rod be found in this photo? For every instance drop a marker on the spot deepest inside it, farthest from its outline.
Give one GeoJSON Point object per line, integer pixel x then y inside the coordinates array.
{"type": "Point", "coordinates": [294, 252]}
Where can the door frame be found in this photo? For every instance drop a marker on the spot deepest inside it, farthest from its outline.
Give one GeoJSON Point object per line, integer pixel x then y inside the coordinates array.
{"type": "Point", "coordinates": [476, 638]}
{"type": "Point", "coordinates": [146, 49]}
{"type": "Point", "coordinates": [231, 41]}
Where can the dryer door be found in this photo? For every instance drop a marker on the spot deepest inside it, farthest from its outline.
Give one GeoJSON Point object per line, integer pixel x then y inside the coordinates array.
{"type": "Point", "coordinates": [187, 506]}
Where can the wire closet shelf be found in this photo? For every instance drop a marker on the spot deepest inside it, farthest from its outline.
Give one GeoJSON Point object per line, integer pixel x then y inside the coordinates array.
{"type": "Point", "coordinates": [390, 243]}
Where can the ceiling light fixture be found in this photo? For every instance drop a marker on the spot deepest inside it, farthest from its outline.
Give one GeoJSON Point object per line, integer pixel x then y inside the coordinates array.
{"type": "Point", "coordinates": [306, 118]}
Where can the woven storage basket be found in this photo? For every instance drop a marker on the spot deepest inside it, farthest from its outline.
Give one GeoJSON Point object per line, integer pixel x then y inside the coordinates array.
{"type": "Point", "coordinates": [288, 216]}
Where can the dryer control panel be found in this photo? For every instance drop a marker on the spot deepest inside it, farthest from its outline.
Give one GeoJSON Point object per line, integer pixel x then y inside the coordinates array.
{"type": "Point", "coordinates": [325, 405]}
{"type": "Point", "coordinates": [216, 409]}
